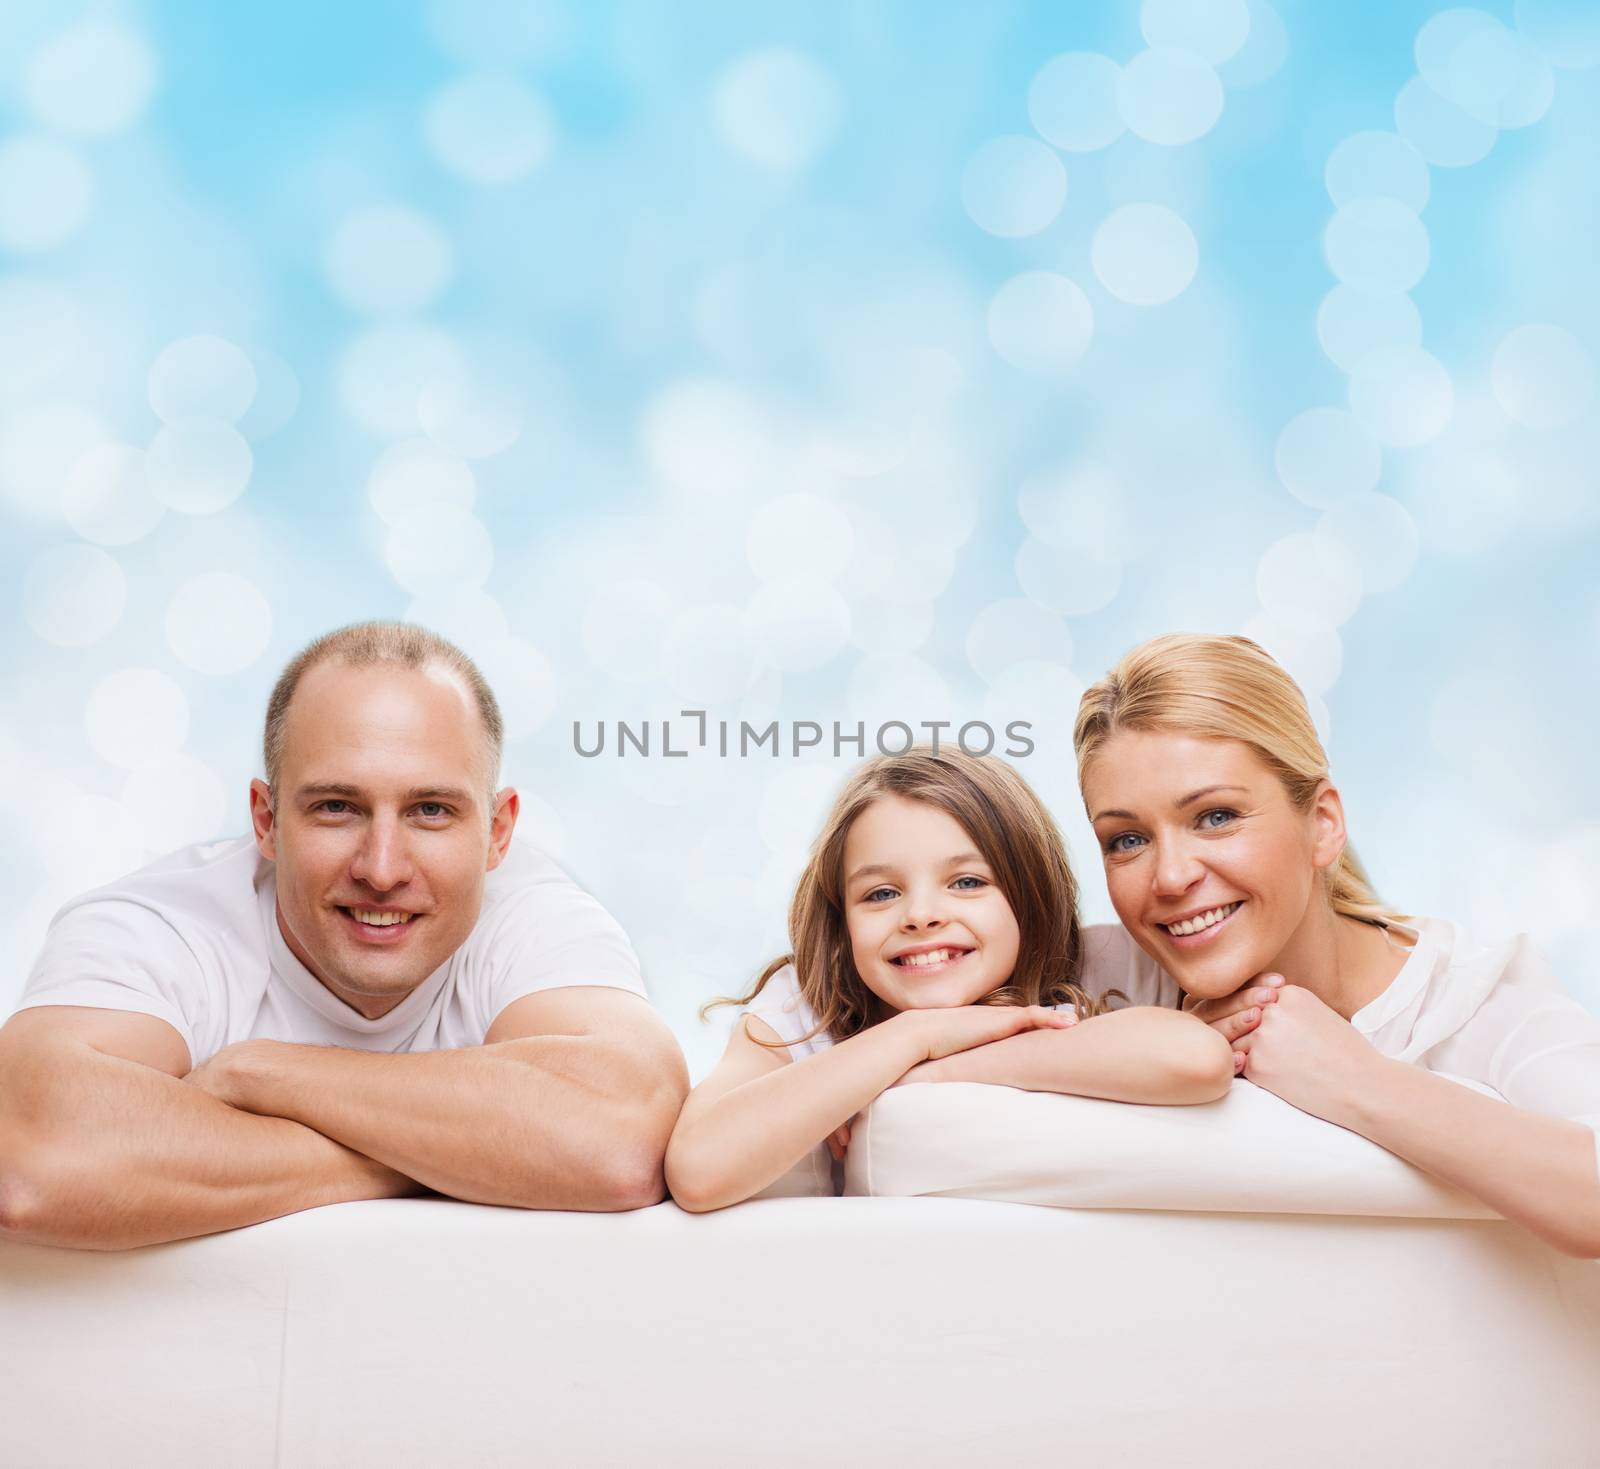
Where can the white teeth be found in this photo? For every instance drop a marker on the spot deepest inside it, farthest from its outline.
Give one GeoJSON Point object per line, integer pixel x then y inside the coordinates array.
{"type": "Point", "coordinates": [378, 920]}
{"type": "Point", "coordinates": [1200, 922]}
{"type": "Point", "coordinates": [933, 956]}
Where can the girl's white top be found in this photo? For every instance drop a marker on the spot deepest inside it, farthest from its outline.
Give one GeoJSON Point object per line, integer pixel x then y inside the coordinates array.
{"type": "Point", "coordinates": [1492, 1015]}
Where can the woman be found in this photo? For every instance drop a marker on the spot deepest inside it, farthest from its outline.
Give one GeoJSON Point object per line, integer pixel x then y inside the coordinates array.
{"type": "Point", "coordinates": [1225, 854]}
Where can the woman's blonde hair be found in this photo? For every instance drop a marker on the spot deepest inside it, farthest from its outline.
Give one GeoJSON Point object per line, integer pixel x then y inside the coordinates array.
{"type": "Point", "coordinates": [1225, 688]}
{"type": "Point", "coordinates": [1015, 835]}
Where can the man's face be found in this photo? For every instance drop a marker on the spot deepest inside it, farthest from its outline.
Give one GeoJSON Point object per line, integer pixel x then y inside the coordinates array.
{"type": "Point", "coordinates": [382, 831]}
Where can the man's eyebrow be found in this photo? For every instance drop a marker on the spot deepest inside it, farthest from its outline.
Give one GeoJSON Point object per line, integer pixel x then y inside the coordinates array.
{"type": "Point", "coordinates": [344, 791]}
{"type": "Point", "coordinates": [1188, 800]}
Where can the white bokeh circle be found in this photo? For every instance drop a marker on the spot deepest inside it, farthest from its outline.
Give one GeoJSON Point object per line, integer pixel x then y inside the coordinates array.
{"type": "Point", "coordinates": [1377, 165]}
{"type": "Point", "coordinates": [1324, 456]}
{"type": "Point", "coordinates": [1444, 134]}
{"type": "Point", "coordinates": [1072, 102]}
{"type": "Point", "coordinates": [1071, 582]}
{"type": "Point", "coordinates": [1495, 75]}
{"type": "Point", "coordinates": [92, 79]}
{"type": "Point", "coordinates": [468, 616]}
{"type": "Point", "coordinates": [705, 434]}
{"type": "Point", "coordinates": [435, 549]}
{"type": "Point", "coordinates": [489, 128]}
{"type": "Point", "coordinates": [802, 622]}
{"type": "Point", "coordinates": [1016, 630]}
{"type": "Point", "coordinates": [1040, 322]}
{"type": "Point", "coordinates": [1380, 533]}
{"type": "Point", "coordinates": [710, 655]}
{"type": "Point", "coordinates": [383, 373]}
{"type": "Point", "coordinates": [276, 399]}
{"type": "Point", "coordinates": [524, 681]}
{"type": "Point", "coordinates": [39, 444]}
{"type": "Point", "coordinates": [802, 534]}
{"type": "Point", "coordinates": [1213, 29]}
{"type": "Point", "coordinates": [218, 623]}
{"type": "Point", "coordinates": [1144, 254]}
{"type": "Point", "coordinates": [1169, 96]}
{"type": "Point", "coordinates": [201, 377]}
{"type": "Point", "coordinates": [1352, 323]}
{"type": "Point", "coordinates": [623, 627]}
{"type": "Point", "coordinates": [1079, 506]}
{"type": "Point", "coordinates": [73, 596]}
{"type": "Point", "coordinates": [198, 465]}
{"type": "Point", "coordinates": [1376, 245]}
{"type": "Point", "coordinates": [1013, 186]}
{"type": "Point", "coordinates": [107, 497]}
{"type": "Point", "coordinates": [1542, 376]}
{"type": "Point", "coordinates": [415, 473]}
{"type": "Point", "coordinates": [1468, 500]}
{"type": "Point", "coordinates": [778, 107]}
{"type": "Point", "coordinates": [1567, 31]}
{"type": "Point", "coordinates": [1265, 49]}
{"type": "Point", "coordinates": [1309, 580]}
{"type": "Point", "coordinates": [46, 194]}
{"type": "Point", "coordinates": [1402, 395]}
{"type": "Point", "coordinates": [476, 416]}
{"type": "Point", "coordinates": [135, 715]}
{"type": "Point", "coordinates": [388, 260]}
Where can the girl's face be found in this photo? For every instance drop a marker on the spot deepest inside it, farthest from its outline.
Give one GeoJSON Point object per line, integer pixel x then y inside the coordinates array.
{"type": "Point", "coordinates": [1209, 866]}
{"type": "Point", "coordinates": [928, 925]}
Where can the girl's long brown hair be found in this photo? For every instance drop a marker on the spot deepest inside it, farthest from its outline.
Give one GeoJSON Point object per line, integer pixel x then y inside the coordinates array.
{"type": "Point", "coordinates": [1017, 838]}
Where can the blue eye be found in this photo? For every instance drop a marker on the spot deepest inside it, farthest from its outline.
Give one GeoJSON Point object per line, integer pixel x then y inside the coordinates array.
{"type": "Point", "coordinates": [878, 893]}
{"type": "Point", "coordinates": [977, 882]}
{"type": "Point", "coordinates": [328, 807]}
{"type": "Point", "coordinates": [1115, 848]}
{"type": "Point", "coordinates": [1227, 816]}
{"type": "Point", "coordinates": [433, 809]}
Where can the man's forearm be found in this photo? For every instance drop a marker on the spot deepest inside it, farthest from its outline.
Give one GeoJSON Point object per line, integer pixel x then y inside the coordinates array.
{"type": "Point", "coordinates": [124, 1155]}
{"type": "Point", "coordinates": [557, 1121]}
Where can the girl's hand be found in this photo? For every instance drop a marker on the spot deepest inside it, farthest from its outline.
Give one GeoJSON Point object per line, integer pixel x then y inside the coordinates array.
{"type": "Point", "coordinates": [946, 1030]}
{"type": "Point", "coordinates": [1308, 1054]}
{"type": "Point", "coordinates": [839, 1141]}
{"type": "Point", "coordinates": [1237, 1015]}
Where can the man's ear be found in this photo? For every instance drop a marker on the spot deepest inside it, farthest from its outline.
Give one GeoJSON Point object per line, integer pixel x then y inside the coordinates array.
{"type": "Point", "coordinates": [1328, 831]}
{"type": "Point", "coordinates": [262, 818]}
{"type": "Point", "coordinates": [504, 821]}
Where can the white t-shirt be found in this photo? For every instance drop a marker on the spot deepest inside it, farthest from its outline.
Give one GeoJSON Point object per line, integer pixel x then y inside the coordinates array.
{"type": "Point", "coordinates": [1497, 1017]}
{"type": "Point", "coordinates": [193, 939]}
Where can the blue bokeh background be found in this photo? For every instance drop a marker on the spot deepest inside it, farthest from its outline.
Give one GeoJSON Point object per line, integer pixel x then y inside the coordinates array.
{"type": "Point", "coordinates": [891, 361]}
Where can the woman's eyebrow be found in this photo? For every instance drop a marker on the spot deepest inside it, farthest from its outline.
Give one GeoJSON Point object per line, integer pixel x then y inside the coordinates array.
{"type": "Point", "coordinates": [1188, 800]}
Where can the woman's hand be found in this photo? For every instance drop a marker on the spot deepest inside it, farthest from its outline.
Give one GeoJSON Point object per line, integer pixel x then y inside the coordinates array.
{"type": "Point", "coordinates": [948, 1029]}
{"type": "Point", "coordinates": [839, 1141]}
{"type": "Point", "coordinates": [1308, 1054]}
{"type": "Point", "coordinates": [1235, 1016]}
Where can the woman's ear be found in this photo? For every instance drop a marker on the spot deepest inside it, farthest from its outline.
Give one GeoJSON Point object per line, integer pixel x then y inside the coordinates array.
{"type": "Point", "coordinates": [1327, 826]}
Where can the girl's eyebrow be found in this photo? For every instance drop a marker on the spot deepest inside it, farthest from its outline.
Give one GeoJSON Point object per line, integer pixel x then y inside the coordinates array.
{"type": "Point", "coordinates": [884, 869]}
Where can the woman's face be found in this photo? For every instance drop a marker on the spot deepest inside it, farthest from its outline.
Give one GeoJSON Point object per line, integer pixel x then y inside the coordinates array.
{"type": "Point", "coordinates": [928, 926]}
{"type": "Point", "coordinates": [1209, 866]}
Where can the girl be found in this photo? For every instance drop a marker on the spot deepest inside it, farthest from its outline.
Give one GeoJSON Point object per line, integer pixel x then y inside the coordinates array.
{"type": "Point", "coordinates": [1225, 855]}
{"type": "Point", "coordinates": [935, 936]}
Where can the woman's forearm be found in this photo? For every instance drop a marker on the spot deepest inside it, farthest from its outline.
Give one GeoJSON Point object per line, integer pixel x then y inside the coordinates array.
{"type": "Point", "coordinates": [1539, 1171]}
{"type": "Point", "coordinates": [1142, 1054]}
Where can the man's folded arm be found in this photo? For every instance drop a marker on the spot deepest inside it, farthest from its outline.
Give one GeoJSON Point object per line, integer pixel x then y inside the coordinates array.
{"type": "Point", "coordinates": [567, 1105]}
{"type": "Point", "coordinates": [103, 1146]}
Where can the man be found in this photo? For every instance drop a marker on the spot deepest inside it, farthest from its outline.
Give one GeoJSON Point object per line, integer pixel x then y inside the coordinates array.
{"type": "Point", "coordinates": [377, 995]}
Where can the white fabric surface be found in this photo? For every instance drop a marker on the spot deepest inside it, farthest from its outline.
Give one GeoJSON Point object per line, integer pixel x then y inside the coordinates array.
{"type": "Point", "coordinates": [1250, 1152]}
{"type": "Point", "coordinates": [805, 1332]}
{"type": "Point", "coordinates": [193, 939]}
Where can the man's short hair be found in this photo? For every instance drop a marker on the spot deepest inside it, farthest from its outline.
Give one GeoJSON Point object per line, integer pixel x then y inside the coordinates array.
{"type": "Point", "coordinates": [363, 644]}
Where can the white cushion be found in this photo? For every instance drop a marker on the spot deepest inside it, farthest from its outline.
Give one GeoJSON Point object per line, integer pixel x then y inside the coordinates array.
{"type": "Point", "coordinates": [1250, 1152]}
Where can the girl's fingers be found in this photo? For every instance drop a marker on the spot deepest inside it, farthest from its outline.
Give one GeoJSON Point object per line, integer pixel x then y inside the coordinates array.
{"type": "Point", "coordinates": [1240, 1024]}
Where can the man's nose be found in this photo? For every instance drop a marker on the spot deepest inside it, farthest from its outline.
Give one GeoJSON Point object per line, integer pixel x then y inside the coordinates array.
{"type": "Point", "coordinates": [383, 860]}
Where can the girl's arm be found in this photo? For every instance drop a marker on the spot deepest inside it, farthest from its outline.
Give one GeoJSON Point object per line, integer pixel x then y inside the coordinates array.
{"type": "Point", "coordinates": [1141, 1054]}
{"type": "Point", "coordinates": [759, 1113]}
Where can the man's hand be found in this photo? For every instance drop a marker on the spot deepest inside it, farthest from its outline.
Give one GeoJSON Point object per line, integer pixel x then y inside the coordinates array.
{"type": "Point", "coordinates": [1308, 1054]}
{"type": "Point", "coordinates": [228, 1075]}
{"type": "Point", "coordinates": [1236, 1016]}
